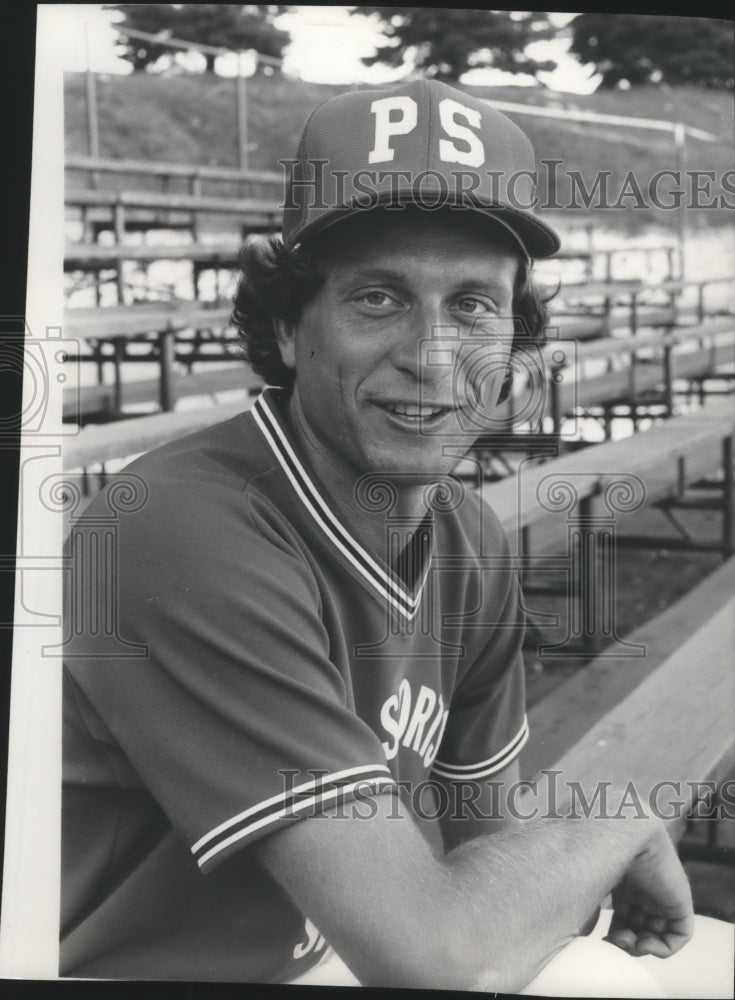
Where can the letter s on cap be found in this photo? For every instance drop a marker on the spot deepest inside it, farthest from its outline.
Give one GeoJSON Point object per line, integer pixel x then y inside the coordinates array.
{"type": "Point", "coordinates": [475, 156]}
{"type": "Point", "coordinates": [385, 128]}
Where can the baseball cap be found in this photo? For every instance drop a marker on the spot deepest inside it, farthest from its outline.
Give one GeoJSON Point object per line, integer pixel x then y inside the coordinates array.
{"type": "Point", "coordinates": [422, 143]}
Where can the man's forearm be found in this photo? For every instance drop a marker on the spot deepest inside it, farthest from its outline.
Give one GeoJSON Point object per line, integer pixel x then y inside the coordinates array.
{"type": "Point", "coordinates": [523, 893]}
{"type": "Point", "coordinates": [488, 915]}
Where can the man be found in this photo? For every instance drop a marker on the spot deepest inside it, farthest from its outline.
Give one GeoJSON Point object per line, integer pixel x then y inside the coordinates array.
{"type": "Point", "coordinates": [330, 624]}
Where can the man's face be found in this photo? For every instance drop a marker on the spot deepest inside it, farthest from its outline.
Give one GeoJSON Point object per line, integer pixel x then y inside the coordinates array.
{"type": "Point", "coordinates": [401, 355]}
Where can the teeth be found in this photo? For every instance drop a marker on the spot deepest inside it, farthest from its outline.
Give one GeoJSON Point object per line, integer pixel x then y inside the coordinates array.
{"type": "Point", "coordinates": [415, 411]}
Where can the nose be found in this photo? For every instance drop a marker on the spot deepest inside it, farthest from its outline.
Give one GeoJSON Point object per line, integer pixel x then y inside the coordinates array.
{"type": "Point", "coordinates": [426, 345]}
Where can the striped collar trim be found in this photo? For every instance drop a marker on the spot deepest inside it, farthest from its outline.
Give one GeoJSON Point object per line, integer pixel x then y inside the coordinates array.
{"type": "Point", "coordinates": [384, 583]}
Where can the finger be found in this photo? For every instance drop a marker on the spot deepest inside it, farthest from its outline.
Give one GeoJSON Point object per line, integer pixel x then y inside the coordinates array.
{"type": "Point", "coordinates": [623, 938]}
{"type": "Point", "coordinates": [675, 941]}
{"type": "Point", "coordinates": [652, 944]}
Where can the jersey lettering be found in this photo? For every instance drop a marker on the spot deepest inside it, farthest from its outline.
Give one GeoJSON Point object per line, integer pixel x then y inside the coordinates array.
{"type": "Point", "coordinates": [314, 941]}
{"type": "Point", "coordinates": [429, 750]}
{"type": "Point", "coordinates": [425, 704]}
{"type": "Point", "coordinates": [448, 112]}
{"type": "Point", "coordinates": [405, 720]}
{"type": "Point", "coordinates": [385, 128]}
{"type": "Point", "coordinates": [401, 704]}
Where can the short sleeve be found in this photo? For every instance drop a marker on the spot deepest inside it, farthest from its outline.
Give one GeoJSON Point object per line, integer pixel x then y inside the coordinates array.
{"type": "Point", "coordinates": [487, 724]}
{"type": "Point", "coordinates": [235, 719]}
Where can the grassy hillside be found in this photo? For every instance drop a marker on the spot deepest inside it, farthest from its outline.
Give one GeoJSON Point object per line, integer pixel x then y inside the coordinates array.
{"type": "Point", "coordinates": [191, 119]}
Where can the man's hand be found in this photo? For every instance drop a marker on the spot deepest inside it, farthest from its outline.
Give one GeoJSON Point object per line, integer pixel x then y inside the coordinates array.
{"type": "Point", "coordinates": [652, 906]}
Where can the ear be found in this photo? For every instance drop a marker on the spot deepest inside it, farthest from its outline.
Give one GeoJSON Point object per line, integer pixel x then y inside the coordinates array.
{"type": "Point", "coordinates": [286, 338]}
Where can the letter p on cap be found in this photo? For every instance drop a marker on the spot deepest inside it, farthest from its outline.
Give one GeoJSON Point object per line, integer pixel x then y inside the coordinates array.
{"type": "Point", "coordinates": [385, 128]}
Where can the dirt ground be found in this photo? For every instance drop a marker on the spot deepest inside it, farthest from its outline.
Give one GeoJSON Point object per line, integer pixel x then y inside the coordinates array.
{"type": "Point", "coordinates": [648, 581]}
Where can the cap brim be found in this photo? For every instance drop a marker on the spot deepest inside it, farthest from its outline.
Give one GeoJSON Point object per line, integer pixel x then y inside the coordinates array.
{"type": "Point", "coordinates": [535, 237]}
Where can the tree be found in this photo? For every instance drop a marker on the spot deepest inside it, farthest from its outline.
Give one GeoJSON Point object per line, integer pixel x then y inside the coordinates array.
{"type": "Point", "coordinates": [231, 26]}
{"type": "Point", "coordinates": [647, 48]}
{"type": "Point", "coordinates": [150, 17]}
{"type": "Point", "coordinates": [445, 42]}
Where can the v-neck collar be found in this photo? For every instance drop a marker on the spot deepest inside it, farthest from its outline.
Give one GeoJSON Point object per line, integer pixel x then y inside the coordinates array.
{"type": "Point", "coordinates": [380, 578]}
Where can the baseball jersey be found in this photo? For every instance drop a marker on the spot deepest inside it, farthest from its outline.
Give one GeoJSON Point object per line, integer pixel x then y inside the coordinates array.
{"type": "Point", "coordinates": [256, 667]}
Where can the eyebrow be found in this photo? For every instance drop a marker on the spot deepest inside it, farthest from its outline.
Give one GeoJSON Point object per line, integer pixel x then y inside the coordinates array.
{"type": "Point", "coordinates": [387, 275]}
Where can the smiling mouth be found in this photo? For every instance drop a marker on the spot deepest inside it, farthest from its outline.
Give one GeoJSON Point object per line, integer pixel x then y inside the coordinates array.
{"type": "Point", "coordinates": [415, 413]}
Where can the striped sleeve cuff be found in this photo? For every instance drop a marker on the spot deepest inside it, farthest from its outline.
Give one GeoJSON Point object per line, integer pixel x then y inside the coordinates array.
{"type": "Point", "coordinates": [484, 768]}
{"type": "Point", "coordinates": [297, 802]}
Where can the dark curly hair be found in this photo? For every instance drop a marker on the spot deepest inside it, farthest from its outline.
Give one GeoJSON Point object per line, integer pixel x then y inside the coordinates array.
{"type": "Point", "coordinates": [277, 282]}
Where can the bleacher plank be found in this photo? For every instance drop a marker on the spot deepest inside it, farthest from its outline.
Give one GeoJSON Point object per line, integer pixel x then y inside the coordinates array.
{"type": "Point", "coordinates": [173, 202]}
{"type": "Point", "coordinates": [100, 398]}
{"type": "Point", "coordinates": [78, 256]}
{"type": "Point", "coordinates": [585, 327]}
{"type": "Point", "coordinates": [563, 716]}
{"type": "Point", "coordinates": [140, 318]}
{"type": "Point", "coordinates": [159, 168]}
{"type": "Point", "coordinates": [715, 408]}
{"type": "Point", "coordinates": [611, 386]}
{"type": "Point", "coordinates": [131, 437]}
{"type": "Point", "coordinates": [600, 289]}
{"type": "Point", "coordinates": [650, 454]}
{"type": "Point", "coordinates": [610, 347]}
{"type": "Point", "coordinates": [676, 725]}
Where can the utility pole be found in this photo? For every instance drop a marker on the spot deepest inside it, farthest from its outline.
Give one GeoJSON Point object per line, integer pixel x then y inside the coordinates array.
{"type": "Point", "coordinates": [242, 115]}
{"type": "Point", "coordinates": [93, 132]}
{"type": "Point", "coordinates": [680, 138]}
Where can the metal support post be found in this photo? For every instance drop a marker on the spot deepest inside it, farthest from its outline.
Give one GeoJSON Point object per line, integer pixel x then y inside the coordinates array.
{"type": "Point", "coordinates": [668, 381]}
{"type": "Point", "coordinates": [118, 344]}
{"type": "Point", "coordinates": [118, 221]}
{"type": "Point", "coordinates": [728, 498]}
{"type": "Point", "coordinates": [167, 348]}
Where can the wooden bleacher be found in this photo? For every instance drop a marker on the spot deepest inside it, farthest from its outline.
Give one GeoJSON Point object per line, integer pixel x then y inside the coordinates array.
{"type": "Point", "coordinates": [666, 715]}
{"type": "Point", "coordinates": [569, 515]}
{"type": "Point", "coordinates": [143, 317]}
{"type": "Point", "coordinates": [121, 325]}
{"type": "Point", "coordinates": [192, 174]}
{"type": "Point", "coordinates": [562, 717]}
{"type": "Point", "coordinates": [97, 445]}
{"type": "Point", "coordinates": [602, 325]}
{"type": "Point", "coordinates": [95, 257]}
{"type": "Point", "coordinates": [665, 718]}
{"type": "Point", "coordinates": [265, 212]}
{"type": "Point", "coordinates": [109, 399]}
{"type": "Point", "coordinates": [637, 366]}
{"type": "Point", "coordinates": [653, 455]}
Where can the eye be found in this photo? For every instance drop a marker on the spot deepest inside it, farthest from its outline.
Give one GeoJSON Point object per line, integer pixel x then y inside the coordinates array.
{"type": "Point", "coordinates": [376, 297]}
{"type": "Point", "coordinates": [471, 306]}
